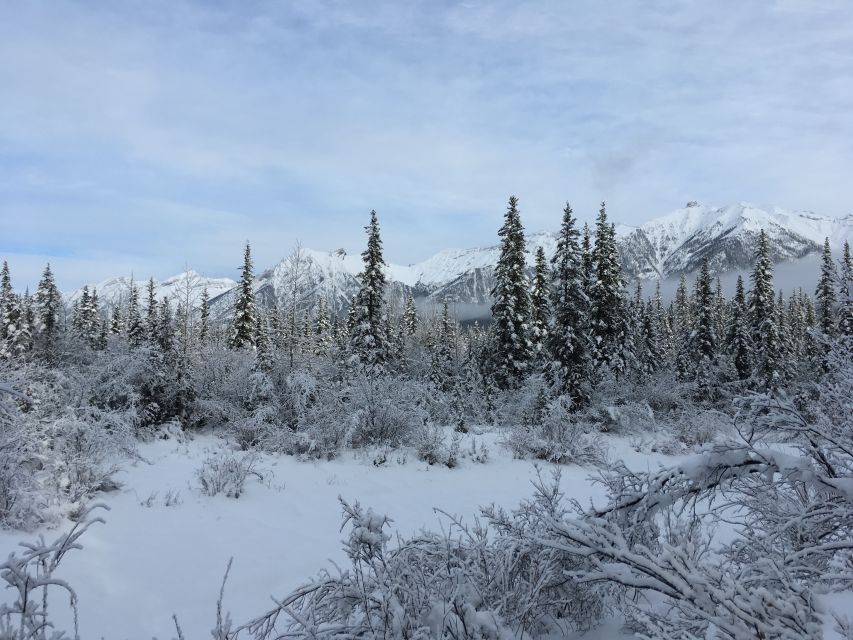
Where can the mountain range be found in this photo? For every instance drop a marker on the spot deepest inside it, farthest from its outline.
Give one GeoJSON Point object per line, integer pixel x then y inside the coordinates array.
{"type": "Point", "coordinates": [662, 248]}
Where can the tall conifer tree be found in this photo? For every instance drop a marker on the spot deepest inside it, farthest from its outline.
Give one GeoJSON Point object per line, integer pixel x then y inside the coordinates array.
{"type": "Point", "coordinates": [512, 347]}
{"type": "Point", "coordinates": [244, 324]}
{"type": "Point", "coordinates": [368, 337]}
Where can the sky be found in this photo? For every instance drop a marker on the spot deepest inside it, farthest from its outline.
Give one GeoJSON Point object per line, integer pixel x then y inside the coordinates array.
{"type": "Point", "coordinates": [147, 136]}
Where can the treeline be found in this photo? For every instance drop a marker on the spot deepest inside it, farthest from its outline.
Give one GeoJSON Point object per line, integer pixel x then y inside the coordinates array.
{"type": "Point", "coordinates": [573, 323]}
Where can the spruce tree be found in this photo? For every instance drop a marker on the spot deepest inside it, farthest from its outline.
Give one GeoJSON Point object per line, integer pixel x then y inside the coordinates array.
{"type": "Point", "coordinates": [704, 344]}
{"type": "Point", "coordinates": [845, 292]}
{"type": "Point", "coordinates": [263, 344]}
{"type": "Point", "coordinates": [151, 317]}
{"type": "Point", "coordinates": [115, 321]}
{"type": "Point", "coordinates": [762, 315]}
{"type": "Point", "coordinates": [539, 304]}
{"type": "Point", "coordinates": [165, 326]}
{"type": "Point", "coordinates": [683, 330]}
{"type": "Point", "coordinates": [6, 297]}
{"type": "Point", "coordinates": [568, 338]}
{"type": "Point", "coordinates": [244, 324]}
{"type": "Point", "coordinates": [322, 328]}
{"type": "Point", "coordinates": [512, 347]}
{"type": "Point", "coordinates": [825, 292]}
{"type": "Point", "coordinates": [135, 326]}
{"type": "Point", "coordinates": [410, 316]}
{"type": "Point", "coordinates": [368, 338]}
{"type": "Point", "coordinates": [48, 304]}
{"type": "Point", "coordinates": [204, 322]}
{"type": "Point", "coordinates": [739, 345]}
{"type": "Point", "coordinates": [606, 305]}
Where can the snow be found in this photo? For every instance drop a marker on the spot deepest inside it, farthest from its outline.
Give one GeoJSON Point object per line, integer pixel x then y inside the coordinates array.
{"type": "Point", "coordinates": [146, 563]}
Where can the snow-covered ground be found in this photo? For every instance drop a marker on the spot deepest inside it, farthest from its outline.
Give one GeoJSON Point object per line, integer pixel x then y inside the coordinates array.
{"type": "Point", "coordinates": [147, 563]}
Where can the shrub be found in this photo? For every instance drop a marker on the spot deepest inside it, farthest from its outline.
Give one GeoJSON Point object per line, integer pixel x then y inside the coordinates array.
{"type": "Point", "coordinates": [225, 472]}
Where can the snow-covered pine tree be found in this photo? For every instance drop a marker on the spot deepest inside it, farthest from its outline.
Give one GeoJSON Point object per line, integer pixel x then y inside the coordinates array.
{"type": "Point", "coordinates": [825, 292]}
{"type": "Point", "coordinates": [6, 295]}
{"type": "Point", "coordinates": [18, 338]}
{"type": "Point", "coordinates": [704, 344]}
{"type": "Point", "coordinates": [683, 330]}
{"type": "Point", "coordinates": [115, 320]}
{"type": "Point", "coordinates": [410, 315]}
{"type": "Point", "coordinates": [762, 317]}
{"type": "Point", "coordinates": [845, 292]}
{"type": "Point", "coordinates": [368, 338]}
{"type": "Point", "coordinates": [511, 349]}
{"type": "Point", "coordinates": [568, 337]}
{"type": "Point", "coordinates": [587, 262]}
{"type": "Point", "coordinates": [263, 344]}
{"type": "Point", "coordinates": [649, 351]}
{"type": "Point", "coordinates": [151, 316]}
{"type": "Point", "coordinates": [135, 326]}
{"type": "Point", "coordinates": [204, 320]}
{"type": "Point", "coordinates": [165, 326]}
{"type": "Point", "coordinates": [48, 305]}
{"type": "Point", "coordinates": [606, 304]}
{"type": "Point", "coordinates": [539, 305]}
{"type": "Point", "coordinates": [244, 323]}
{"type": "Point", "coordinates": [738, 342]}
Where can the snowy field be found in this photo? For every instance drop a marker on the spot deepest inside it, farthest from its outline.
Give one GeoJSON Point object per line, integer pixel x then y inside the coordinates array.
{"type": "Point", "coordinates": [148, 562]}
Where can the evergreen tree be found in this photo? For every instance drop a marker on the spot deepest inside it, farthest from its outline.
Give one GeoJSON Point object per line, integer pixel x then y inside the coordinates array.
{"type": "Point", "coordinates": [539, 304]}
{"type": "Point", "coordinates": [135, 327]}
{"type": "Point", "coordinates": [115, 321]}
{"type": "Point", "coordinates": [263, 344]}
{"type": "Point", "coordinates": [683, 330]}
{"type": "Point", "coordinates": [204, 323]}
{"type": "Point", "coordinates": [6, 297]}
{"type": "Point", "coordinates": [410, 316]}
{"type": "Point", "coordinates": [512, 348]}
{"type": "Point", "coordinates": [368, 337]}
{"type": "Point", "coordinates": [18, 336]}
{"type": "Point", "coordinates": [568, 338]}
{"type": "Point", "coordinates": [704, 345]}
{"type": "Point", "coordinates": [845, 292]}
{"type": "Point", "coordinates": [762, 315]}
{"type": "Point", "coordinates": [588, 263]}
{"type": "Point", "coordinates": [243, 327]}
{"type": "Point", "coordinates": [151, 318]}
{"type": "Point", "coordinates": [48, 303]}
{"type": "Point", "coordinates": [739, 345]}
{"type": "Point", "coordinates": [165, 326]}
{"type": "Point", "coordinates": [606, 306]}
{"type": "Point", "coordinates": [825, 293]}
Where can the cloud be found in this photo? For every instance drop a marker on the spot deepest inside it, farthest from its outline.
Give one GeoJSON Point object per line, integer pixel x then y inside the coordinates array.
{"type": "Point", "coordinates": [171, 131]}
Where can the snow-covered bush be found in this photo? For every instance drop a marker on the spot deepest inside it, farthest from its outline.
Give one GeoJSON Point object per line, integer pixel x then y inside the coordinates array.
{"type": "Point", "coordinates": [22, 501]}
{"type": "Point", "coordinates": [85, 452]}
{"type": "Point", "coordinates": [30, 576]}
{"type": "Point", "coordinates": [559, 437]}
{"type": "Point", "coordinates": [480, 582]}
{"type": "Point", "coordinates": [385, 410]}
{"type": "Point", "coordinates": [226, 472]}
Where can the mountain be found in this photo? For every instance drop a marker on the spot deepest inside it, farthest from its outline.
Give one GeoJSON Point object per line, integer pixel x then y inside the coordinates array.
{"type": "Point", "coordinates": [115, 290]}
{"type": "Point", "coordinates": [661, 248]}
{"type": "Point", "coordinates": [678, 242]}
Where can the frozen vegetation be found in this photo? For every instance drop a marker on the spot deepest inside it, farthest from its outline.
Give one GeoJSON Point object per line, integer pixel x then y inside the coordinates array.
{"type": "Point", "coordinates": [593, 463]}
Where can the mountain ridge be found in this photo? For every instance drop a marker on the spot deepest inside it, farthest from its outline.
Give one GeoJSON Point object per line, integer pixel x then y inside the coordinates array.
{"type": "Point", "coordinates": [663, 247]}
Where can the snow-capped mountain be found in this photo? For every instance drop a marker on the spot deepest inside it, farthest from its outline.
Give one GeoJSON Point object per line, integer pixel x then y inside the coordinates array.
{"type": "Point", "coordinates": [678, 242]}
{"type": "Point", "coordinates": [667, 246]}
{"type": "Point", "coordinates": [188, 284]}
